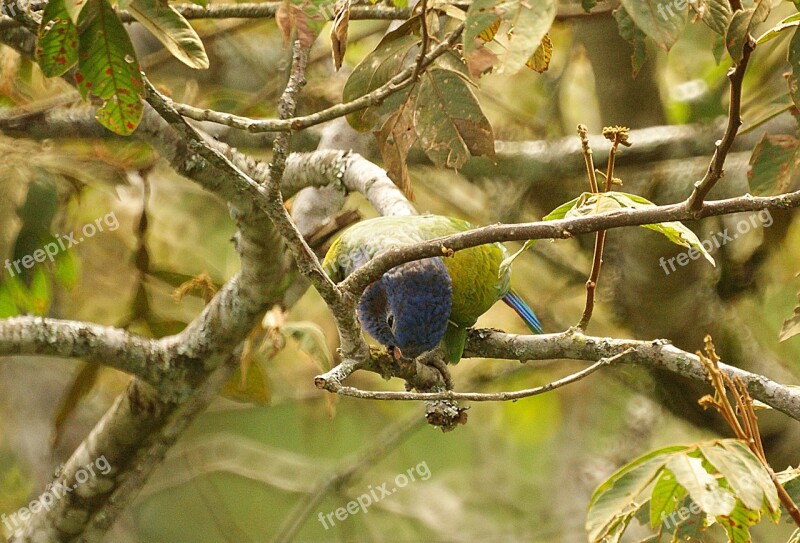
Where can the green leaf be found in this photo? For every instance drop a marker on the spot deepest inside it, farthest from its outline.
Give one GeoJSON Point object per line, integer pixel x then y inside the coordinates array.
{"type": "Point", "coordinates": [716, 14]}
{"type": "Point", "coordinates": [40, 292]}
{"type": "Point", "coordinates": [738, 472]}
{"type": "Point", "coordinates": [530, 23]}
{"type": "Point", "coordinates": [481, 16]}
{"type": "Point", "coordinates": [587, 5]}
{"type": "Point", "coordinates": [794, 61]}
{"type": "Point", "coordinates": [772, 165]}
{"type": "Point", "coordinates": [756, 470]}
{"type": "Point", "coordinates": [526, 25]}
{"type": "Point", "coordinates": [742, 23]}
{"type": "Point", "coordinates": [703, 487]}
{"type": "Point", "coordinates": [791, 326]}
{"type": "Point", "coordinates": [57, 40]}
{"type": "Point", "coordinates": [507, 261]}
{"type": "Point", "coordinates": [7, 306]}
{"type": "Point", "coordinates": [631, 33]}
{"type": "Point", "coordinates": [666, 496]}
{"type": "Point", "coordinates": [74, 9]}
{"type": "Point", "coordinates": [254, 388]}
{"type": "Point", "coordinates": [661, 21]}
{"type": "Point", "coordinates": [593, 203]}
{"type": "Point", "coordinates": [561, 211]}
{"type": "Point", "coordinates": [791, 21]}
{"type": "Point", "coordinates": [172, 30]}
{"type": "Point", "coordinates": [108, 69]}
{"type": "Point", "coordinates": [737, 524]}
{"type": "Point", "coordinates": [311, 340]}
{"type": "Point", "coordinates": [394, 52]}
{"type": "Point", "coordinates": [449, 121]}
{"type": "Point", "coordinates": [65, 271]}
{"type": "Point", "coordinates": [613, 500]}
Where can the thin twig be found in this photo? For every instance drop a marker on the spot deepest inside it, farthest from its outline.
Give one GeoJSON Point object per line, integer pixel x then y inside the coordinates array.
{"type": "Point", "coordinates": [344, 473]}
{"type": "Point", "coordinates": [715, 169]}
{"type": "Point", "coordinates": [334, 386]}
{"type": "Point", "coordinates": [397, 83]}
{"type": "Point", "coordinates": [746, 430]}
{"type": "Point", "coordinates": [423, 47]}
{"type": "Point", "coordinates": [600, 236]}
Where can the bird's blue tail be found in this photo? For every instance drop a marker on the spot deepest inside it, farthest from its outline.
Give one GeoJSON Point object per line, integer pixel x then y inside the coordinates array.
{"type": "Point", "coordinates": [518, 304]}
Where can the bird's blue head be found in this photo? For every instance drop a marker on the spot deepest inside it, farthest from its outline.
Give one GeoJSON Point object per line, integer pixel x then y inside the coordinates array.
{"type": "Point", "coordinates": [408, 306]}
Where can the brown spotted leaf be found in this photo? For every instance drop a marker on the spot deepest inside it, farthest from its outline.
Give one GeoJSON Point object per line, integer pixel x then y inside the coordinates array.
{"type": "Point", "coordinates": [449, 120]}
{"type": "Point", "coordinates": [57, 40]}
{"type": "Point", "coordinates": [773, 163]}
{"type": "Point", "coordinates": [108, 69]}
{"type": "Point", "coordinates": [395, 139]}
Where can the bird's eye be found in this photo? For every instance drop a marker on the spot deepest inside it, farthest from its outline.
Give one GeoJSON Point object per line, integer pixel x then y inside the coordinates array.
{"type": "Point", "coordinates": [390, 321]}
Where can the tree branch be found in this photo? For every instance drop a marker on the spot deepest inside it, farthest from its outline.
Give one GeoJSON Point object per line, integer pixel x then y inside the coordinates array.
{"type": "Point", "coordinates": [715, 169]}
{"type": "Point", "coordinates": [403, 79]}
{"type": "Point", "coordinates": [145, 358]}
{"type": "Point", "coordinates": [356, 282]}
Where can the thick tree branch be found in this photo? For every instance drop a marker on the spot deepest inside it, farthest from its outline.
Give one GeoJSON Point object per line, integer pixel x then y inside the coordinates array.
{"type": "Point", "coordinates": [142, 357]}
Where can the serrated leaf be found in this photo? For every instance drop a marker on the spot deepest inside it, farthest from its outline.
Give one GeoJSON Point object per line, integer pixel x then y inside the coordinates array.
{"type": "Point", "coordinates": [665, 497]}
{"type": "Point", "coordinates": [108, 69]}
{"type": "Point", "coordinates": [631, 33]}
{"type": "Point", "coordinates": [540, 60]}
{"type": "Point", "coordinates": [395, 51]}
{"type": "Point", "coordinates": [614, 498]}
{"type": "Point", "coordinates": [716, 14]}
{"type": "Point", "coordinates": [311, 340]}
{"type": "Point", "coordinates": [57, 41]}
{"type": "Point", "coordinates": [172, 30]}
{"type": "Point", "coordinates": [703, 487]}
{"type": "Point", "coordinates": [449, 121]}
{"type": "Point", "coordinates": [791, 21]}
{"type": "Point", "coordinates": [774, 160]}
{"type": "Point", "coordinates": [662, 21]}
{"type": "Point", "coordinates": [742, 24]}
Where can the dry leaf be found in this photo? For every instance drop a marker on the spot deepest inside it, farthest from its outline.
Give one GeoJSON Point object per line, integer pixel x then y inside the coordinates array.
{"type": "Point", "coordinates": [540, 60]}
{"type": "Point", "coordinates": [395, 139]}
{"type": "Point", "coordinates": [339, 28]}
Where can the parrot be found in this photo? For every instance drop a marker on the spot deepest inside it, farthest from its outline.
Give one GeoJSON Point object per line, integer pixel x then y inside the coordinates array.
{"type": "Point", "coordinates": [416, 306]}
